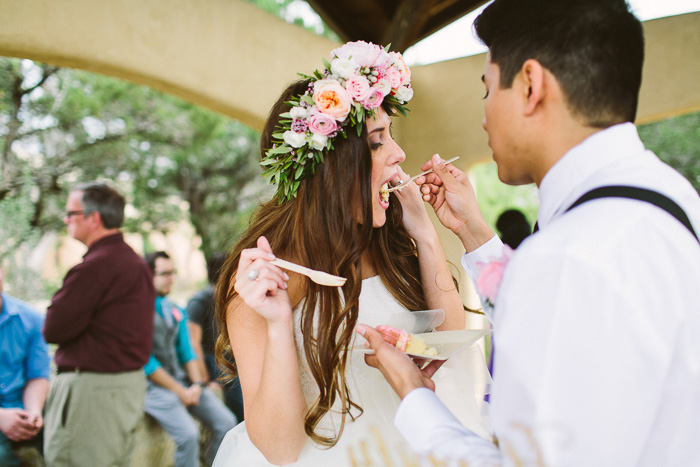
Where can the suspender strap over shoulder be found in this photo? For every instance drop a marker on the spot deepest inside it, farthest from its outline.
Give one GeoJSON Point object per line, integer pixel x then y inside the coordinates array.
{"type": "Point", "coordinates": [641, 194]}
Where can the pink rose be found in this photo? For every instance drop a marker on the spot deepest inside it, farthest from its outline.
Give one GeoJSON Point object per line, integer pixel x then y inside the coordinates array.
{"type": "Point", "coordinates": [331, 98]}
{"type": "Point", "coordinates": [374, 100]}
{"type": "Point", "coordinates": [322, 124]}
{"type": "Point", "coordinates": [364, 53]}
{"type": "Point", "coordinates": [394, 76]}
{"type": "Point", "coordinates": [488, 281]}
{"type": "Point", "coordinates": [358, 86]}
{"type": "Point", "coordinates": [402, 67]}
{"type": "Point", "coordinates": [384, 60]}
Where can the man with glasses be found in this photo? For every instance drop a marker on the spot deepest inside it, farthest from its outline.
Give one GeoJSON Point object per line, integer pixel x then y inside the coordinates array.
{"type": "Point", "coordinates": [102, 320]}
{"type": "Point", "coordinates": [176, 387]}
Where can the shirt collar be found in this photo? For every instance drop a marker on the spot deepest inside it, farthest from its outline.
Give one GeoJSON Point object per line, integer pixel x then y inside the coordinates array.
{"type": "Point", "coordinates": [7, 309]}
{"type": "Point", "coordinates": [566, 179]}
{"type": "Point", "coordinates": [108, 240]}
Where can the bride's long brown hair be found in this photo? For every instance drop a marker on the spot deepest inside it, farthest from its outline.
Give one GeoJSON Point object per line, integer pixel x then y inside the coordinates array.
{"type": "Point", "coordinates": [320, 229]}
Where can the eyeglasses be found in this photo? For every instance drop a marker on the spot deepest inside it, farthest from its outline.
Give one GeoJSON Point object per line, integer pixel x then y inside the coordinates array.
{"type": "Point", "coordinates": [165, 273]}
{"type": "Point", "coordinates": [69, 214]}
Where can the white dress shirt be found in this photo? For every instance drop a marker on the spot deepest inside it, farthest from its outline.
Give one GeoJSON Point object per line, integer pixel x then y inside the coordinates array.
{"type": "Point", "coordinates": [596, 326]}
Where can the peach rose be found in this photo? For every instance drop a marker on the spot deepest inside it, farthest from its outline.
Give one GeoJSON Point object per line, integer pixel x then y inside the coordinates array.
{"type": "Point", "coordinates": [332, 99]}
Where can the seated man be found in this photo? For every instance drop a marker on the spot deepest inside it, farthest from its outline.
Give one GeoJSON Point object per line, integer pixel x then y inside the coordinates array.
{"type": "Point", "coordinates": [203, 333]}
{"type": "Point", "coordinates": [175, 386]}
{"type": "Point", "coordinates": [24, 376]}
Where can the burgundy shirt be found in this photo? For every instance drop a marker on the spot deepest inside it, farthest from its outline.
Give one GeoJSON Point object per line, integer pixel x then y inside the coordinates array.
{"type": "Point", "coordinates": [102, 317]}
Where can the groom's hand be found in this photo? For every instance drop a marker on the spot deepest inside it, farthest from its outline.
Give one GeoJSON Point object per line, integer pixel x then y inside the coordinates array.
{"type": "Point", "coordinates": [453, 199]}
{"type": "Point", "coordinates": [400, 371]}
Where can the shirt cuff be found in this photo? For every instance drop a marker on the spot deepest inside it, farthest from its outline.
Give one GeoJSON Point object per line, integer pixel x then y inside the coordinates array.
{"type": "Point", "coordinates": [486, 253]}
{"type": "Point", "coordinates": [420, 416]}
{"type": "Point", "coordinates": [430, 428]}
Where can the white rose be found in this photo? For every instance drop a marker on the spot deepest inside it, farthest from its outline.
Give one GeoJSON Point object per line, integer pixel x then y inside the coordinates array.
{"type": "Point", "coordinates": [383, 86]}
{"type": "Point", "coordinates": [343, 67]}
{"type": "Point", "coordinates": [404, 94]}
{"type": "Point", "coordinates": [294, 139]}
{"type": "Point", "coordinates": [299, 112]}
{"type": "Point", "coordinates": [318, 142]}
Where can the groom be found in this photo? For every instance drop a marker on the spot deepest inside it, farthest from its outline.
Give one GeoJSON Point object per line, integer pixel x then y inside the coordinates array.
{"type": "Point", "coordinates": [597, 317]}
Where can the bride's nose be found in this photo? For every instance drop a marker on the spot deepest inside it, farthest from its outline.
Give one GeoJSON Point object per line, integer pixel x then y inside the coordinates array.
{"type": "Point", "coordinates": [397, 155]}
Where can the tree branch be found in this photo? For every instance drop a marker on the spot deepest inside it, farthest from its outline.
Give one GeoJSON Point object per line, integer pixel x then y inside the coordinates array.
{"type": "Point", "coordinates": [48, 71]}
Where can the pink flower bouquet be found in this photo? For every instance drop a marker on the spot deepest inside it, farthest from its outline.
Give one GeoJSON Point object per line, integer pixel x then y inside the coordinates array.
{"type": "Point", "coordinates": [488, 280]}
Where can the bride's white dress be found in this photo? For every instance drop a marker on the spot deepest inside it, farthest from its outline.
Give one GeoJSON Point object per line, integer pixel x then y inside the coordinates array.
{"type": "Point", "coordinates": [461, 383]}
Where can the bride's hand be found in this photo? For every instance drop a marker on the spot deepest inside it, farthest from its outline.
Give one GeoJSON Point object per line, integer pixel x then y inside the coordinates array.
{"type": "Point", "coordinates": [415, 216]}
{"type": "Point", "coordinates": [262, 285]}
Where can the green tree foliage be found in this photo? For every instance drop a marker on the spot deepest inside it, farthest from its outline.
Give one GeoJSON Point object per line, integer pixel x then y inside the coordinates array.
{"type": "Point", "coordinates": [495, 196]}
{"type": "Point", "coordinates": [677, 142]}
{"type": "Point", "coordinates": [173, 160]}
{"type": "Point", "coordinates": [291, 12]}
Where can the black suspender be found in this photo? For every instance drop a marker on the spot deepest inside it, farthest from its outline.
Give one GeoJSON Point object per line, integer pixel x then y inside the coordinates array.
{"type": "Point", "coordinates": [641, 194]}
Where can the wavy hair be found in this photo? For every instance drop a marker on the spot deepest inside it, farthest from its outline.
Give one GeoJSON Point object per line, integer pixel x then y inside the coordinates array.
{"type": "Point", "coordinates": [320, 229]}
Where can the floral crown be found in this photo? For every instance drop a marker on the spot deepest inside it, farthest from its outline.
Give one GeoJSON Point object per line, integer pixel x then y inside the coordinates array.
{"type": "Point", "coordinates": [360, 77]}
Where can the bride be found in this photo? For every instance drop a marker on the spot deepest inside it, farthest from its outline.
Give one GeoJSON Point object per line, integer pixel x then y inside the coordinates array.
{"type": "Point", "coordinates": [327, 144]}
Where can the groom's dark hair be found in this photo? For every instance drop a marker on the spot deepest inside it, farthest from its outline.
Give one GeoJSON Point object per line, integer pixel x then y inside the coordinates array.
{"type": "Point", "coordinates": [595, 49]}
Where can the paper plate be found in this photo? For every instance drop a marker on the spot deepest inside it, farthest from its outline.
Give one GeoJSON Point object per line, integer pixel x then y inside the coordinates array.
{"type": "Point", "coordinates": [447, 343]}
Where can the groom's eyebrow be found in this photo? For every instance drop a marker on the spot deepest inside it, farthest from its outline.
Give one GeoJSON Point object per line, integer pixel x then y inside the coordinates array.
{"type": "Point", "coordinates": [483, 79]}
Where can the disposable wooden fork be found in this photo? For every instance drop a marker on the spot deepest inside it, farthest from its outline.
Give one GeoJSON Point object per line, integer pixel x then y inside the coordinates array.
{"type": "Point", "coordinates": [319, 277]}
{"type": "Point", "coordinates": [403, 184]}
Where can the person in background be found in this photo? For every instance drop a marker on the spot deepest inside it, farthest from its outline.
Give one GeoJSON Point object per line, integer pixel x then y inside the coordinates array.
{"type": "Point", "coordinates": [513, 227]}
{"type": "Point", "coordinates": [175, 385]}
{"type": "Point", "coordinates": [203, 333]}
{"type": "Point", "coordinates": [102, 320]}
{"type": "Point", "coordinates": [24, 376]}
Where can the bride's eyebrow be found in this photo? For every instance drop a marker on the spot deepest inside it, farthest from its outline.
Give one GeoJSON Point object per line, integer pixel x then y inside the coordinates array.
{"type": "Point", "coordinates": [377, 130]}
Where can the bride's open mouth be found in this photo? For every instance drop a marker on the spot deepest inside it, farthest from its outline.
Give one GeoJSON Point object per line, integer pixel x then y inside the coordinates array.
{"type": "Point", "coordinates": [384, 194]}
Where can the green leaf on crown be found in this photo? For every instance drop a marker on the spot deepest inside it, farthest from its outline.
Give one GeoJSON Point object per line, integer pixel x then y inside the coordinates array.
{"type": "Point", "coordinates": [278, 150]}
{"type": "Point", "coordinates": [308, 99]}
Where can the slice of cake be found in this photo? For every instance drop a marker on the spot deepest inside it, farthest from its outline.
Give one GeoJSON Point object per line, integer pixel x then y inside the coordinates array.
{"type": "Point", "coordinates": [384, 192]}
{"type": "Point", "coordinates": [405, 341]}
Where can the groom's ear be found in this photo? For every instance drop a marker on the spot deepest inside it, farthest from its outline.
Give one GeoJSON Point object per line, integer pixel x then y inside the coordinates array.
{"type": "Point", "coordinates": [532, 85]}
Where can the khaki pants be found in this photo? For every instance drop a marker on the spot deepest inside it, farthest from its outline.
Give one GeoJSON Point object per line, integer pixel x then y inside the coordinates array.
{"type": "Point", "coordinates": [91, 418]}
